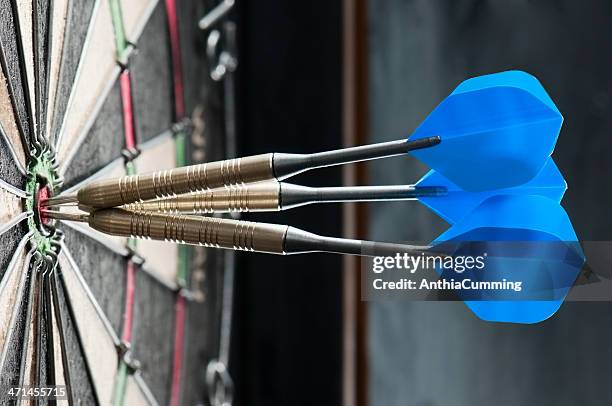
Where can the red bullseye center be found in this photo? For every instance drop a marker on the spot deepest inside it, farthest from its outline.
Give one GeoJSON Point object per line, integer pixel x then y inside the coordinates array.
{"type": "Point", "coordinates": [44, 193]}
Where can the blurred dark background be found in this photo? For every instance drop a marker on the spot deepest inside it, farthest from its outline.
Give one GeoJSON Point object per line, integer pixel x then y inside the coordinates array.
{"type": "Point", "coordinates": [288, 315]}
{"type": "Point", "coordinates": [287, 343]}
{"type": "Point", "coordinates": [439, 353]}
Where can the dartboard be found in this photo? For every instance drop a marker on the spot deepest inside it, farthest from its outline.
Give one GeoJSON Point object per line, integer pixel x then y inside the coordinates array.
{"type": "Point", "coordinates": [92, 89]}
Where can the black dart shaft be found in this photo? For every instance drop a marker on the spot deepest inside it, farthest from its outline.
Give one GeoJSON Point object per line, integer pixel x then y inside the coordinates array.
{"type": "Point", "coordinates": [134, 188]}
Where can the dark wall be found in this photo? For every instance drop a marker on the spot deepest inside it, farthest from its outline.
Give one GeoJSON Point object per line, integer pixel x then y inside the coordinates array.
{"type": "Point", "coordinates": [287, 337]}
{"type": "Point", "coordinates": [439, 354]}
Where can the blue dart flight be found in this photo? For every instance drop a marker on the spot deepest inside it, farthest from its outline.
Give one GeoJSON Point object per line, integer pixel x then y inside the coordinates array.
{"type": "Point", "coordinates": [496, 131]}
{"type": "Point", "coordinates": [523, 239]}
{"type": "Point", "coordinates": [455, 203]}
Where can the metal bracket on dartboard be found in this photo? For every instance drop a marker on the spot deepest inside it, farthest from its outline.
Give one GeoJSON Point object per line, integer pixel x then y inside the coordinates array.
{"type": "Point", "coordinates": [220, 48]}
{"type": "Point", "coordinates": [221, 52]}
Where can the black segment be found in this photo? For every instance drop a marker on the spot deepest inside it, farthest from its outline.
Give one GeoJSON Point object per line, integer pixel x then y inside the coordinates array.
{"type": "Point", "coordinates": [153, 334]}
{"type": "Point", "coordinates": [103, 271]}
{"type": "Point", "coordinates": [62, 337]}
{"type": "Point", "coordinates": [102, 144]}
{"type": "Point", "coordinates": [30, 318]}
{"type": "Point", "coordinates": [200, 340]}
{"type": "Point", "coordinates": [82, 387]}
{"type": "Point", "coordinates": [9, 171]}
{"type": "Point", "coordinates": [42, 336]}
{"type": "Point", "coordinates": [11, 58]}
{"type": "Point", "coordinates": [49, 370]}
{"type": "Point", "coordinates": [152, 78]}
{"type": "Point", "coordinates": [41, 21]}
{"type": "Point", "coordinates": [9, 241]}
{"type": "Point", "coordinates": [79, 16]}
{"type": "Point", "coordinates": [15, 346]}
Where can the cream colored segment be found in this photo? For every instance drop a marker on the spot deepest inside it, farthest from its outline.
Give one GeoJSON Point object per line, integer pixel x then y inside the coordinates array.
{"type": "Point", "coordinates": [60, 14]}
{"type": "Point", "coordinates": [104, 239]}
{"type": "Point", "coordinates": [24, 10]}
{"type": "Point", "coordinates": [8, 122]}
{"type": "Point", "coordinates": [96, 73]}
{"type": "Point", "coordinates": [32, 334]}
{"type": "Point", "coordinates": [114, 170]}
{"type": "Point", "coordinates": [135, 15]}
{"type": "Point", "coordinates": [133, 393]}
{"type": "Point", "coordinates": [98, 346]}
{"type": "Point", "coordinates": [28, 378]}
{"type": "Point", "coordinates": [9, 291]}
{"type": "Point", "coordinates": [10, 206]}
{"type": "Point", "coordinates": [57, 354]}
{"type": "Point", "coordinates": [161, 258]}
{"type": "Point", "coordinates": [157, 157]}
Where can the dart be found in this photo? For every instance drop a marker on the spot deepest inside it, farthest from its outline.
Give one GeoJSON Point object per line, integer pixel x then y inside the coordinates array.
{"type": "Point", "coordinates": [270, 196]}
{"type": "Point", "coordinates": [433, 190]}
{"type": "Point", "coordinates": [522, 236]}
{"type": "Point", "coordinates": [129, 134]}
{"type": "Point", "coordinates": [526, 238]}
{"type": "Point", "coordinates": [476, 138]}
{"type": "Point", "coordinates": [227, 233]}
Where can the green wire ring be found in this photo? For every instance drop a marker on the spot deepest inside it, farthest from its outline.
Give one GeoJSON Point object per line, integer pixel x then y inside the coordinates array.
{"type": "Point", "coordinates": [40, 167]}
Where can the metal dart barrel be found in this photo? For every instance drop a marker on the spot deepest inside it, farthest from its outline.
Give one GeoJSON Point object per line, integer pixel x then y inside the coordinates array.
{"type": "Point", "coordinates": [276, 196]}
{"type": "Point", "coordinates": [159, 184]}
{"type": "Point", "coordinates": [228, 233]}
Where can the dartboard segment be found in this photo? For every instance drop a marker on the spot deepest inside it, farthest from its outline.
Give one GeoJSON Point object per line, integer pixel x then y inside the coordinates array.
{"type": "Point", "coordinates": [14, 345]}
{"type": "Point", "coordinates": [95, 77]}
{"type": "Point", "coordinates": [160, 257]}
{"type": "Point", "coordinates": [107, 287]}
{"type": "Point", "coordinates": [79, 14]}
{"type": "Point", "coordinates": [81, 383]}
{"type": "Point", "coordinates": [10, 288]}
{"type": "Point", "coordinates": [41, 24]}
{"type": "Point", "coordinates": [161, 260]}
{"type": "Point", "coordinates": [29, 364]}
{"type": "Point", "coordinates": [12, 179]}
{"type": "Point", "coordinates": [38, 328]}
{"type": "Point", "coordinates": [26, 36]}
{"type": "Point", "coordinates": [114, 169]}
{"type": "Point", "coordinates": [152, 79]}
{"type": "Point", "coordinates": [58, 29]}
{"type": "Point", "coordinates": [58, 351]}
{"type": "Point", "coordinates": [13, 64]}
{"type": "Point", "coordinates": [135, 14]}
{"type": "Point", "coordinates": [95, 152]}
{"type": "Point", "coordinates": [153, 334]}
{"type": "Point", "coordinates": [11, 210]}
{"type": "Point", "coordinates": [9, 241]}
{"type": "Point", "coordinates": [11, 144]}
{"type": "Point", "coordinates": [136, 394]}
{"type": "Point", "coordinates": [199, 340]}
{"type": "Point", "coordinates": [99, 346]}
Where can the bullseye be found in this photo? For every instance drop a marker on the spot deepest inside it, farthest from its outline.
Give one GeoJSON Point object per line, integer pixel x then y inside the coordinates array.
{"type": "Point", "coordinates": [43, 195]}
{"type": "Point", "coordinates": [42, 181]}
